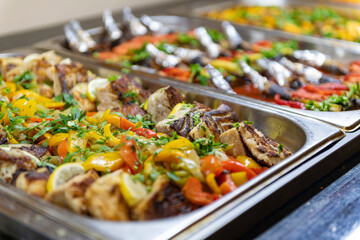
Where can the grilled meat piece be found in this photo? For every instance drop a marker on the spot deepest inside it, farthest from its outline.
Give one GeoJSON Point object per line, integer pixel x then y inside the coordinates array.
{"type": "Point", "coordinates": [37, 150]}
{"type": "Point", "coordinates": [232, 137]}
{"type": "Point", "coordinates": [161, 102]}
{"type": "Point", "coordinates": [3, 136]}
{"type": "Point", "coordinates": [66, 76]}
{"type": "Point", "coordinates": [104, 200]}
{"type": "Point", "coordinates": [128, 89]}
{"type": "Point", "coordinates": [71, 194]}
{"type": "Point", "coordinates": [165, 200]}
{"type": "Point", "coordinates": [129, 108]}
{"type": "Point", "coordinates": [200, 121]}
{"type": "Point", "coordinates": [78, 92]}
{"type": "Point", "coordinates": [10, 67]}
{"type": "Point", "coordinates": [107, 99]}
{"type": "Point", "coordinates": [33, 181]}
{"type": "Point", "coordinates": [12, 161]}
{"type": "Point", "coordinates": [263, 148]}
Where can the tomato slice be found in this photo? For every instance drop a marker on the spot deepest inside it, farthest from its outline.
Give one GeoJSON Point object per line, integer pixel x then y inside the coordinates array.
{"type": "Point", "coordinates": [128, 153]}
{"type": "Point", "coordinates": [62, 149]}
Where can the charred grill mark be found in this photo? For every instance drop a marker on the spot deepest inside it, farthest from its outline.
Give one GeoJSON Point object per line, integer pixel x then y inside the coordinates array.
{"type": "Point", "coordinates": [60, 69]}
{"type": "Point", "coordinates": [34, 175]}
{"type": "Point", "coordinates": [22, 161]}
{"type": "Point", "coordinates": [174, 97]}
{"type": "Point", "coordinates": [36, 150]}
{"type": "Point", "coordinates": [168, 202]}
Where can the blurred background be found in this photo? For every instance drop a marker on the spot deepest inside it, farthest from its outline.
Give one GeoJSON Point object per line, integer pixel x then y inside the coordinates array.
{"type": "Point", "coordinates": [27, 15]}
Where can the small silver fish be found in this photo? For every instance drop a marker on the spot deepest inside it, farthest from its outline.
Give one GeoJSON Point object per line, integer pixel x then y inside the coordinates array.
{"type": "Point", "coordinates": [257, 80]}
{"type": "Point", "coordinates": [276, 70]}
{"type": "Point", "coordinates": [84, 36]}
{"type": "Point", "coordinates": [134, 25]}
{"type": "Point", "coordinates": [212, 49]}
{"type": "Point", "coordinates": [218, 79]}
{"type": "Point", "coordinates": [311, 74]}
{"type": "Point", "coordinates": [232, 35]}
{"type": "Point", "coordinates": [313, 57]}
{"type": "Point", "coordinates": [185, 54]}
{"type": "Point", "coordinates": [74, 40]}
{"type": "Point", "coordinates": [111, 28]}
{"type": "Point", "coordinates": [154, 26]}
{"type": "Point", "coordinates": [161, 58]}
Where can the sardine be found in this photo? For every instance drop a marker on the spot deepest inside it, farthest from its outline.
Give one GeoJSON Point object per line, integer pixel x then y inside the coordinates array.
{"type": "Point", "coordinates": [257, 80]}
{"type": "Point", "coordinates": [111, 28]}
{"type": "Point", "coordinates": [212, 49]}
{"type": "Point", "coordinates": [311, 75]}
{"type": "Point", "coordinates": [313, 57]}
{"type": "Point", "coordinates": [83, 35]}
{"type": "Point", "coordinates": [74, 41]}
{"type": "Point", "coordinates": [234, 38]}
{"type": "Point", "coordinates": [319, 60]}
{"type": "Point", "coordinates": [185, 54]}
{"type": "Point", "coordinates": [218, 79]}
{"type": "Point", "coordinates": [161, 58]}
{"type": "Point", "coordinates": [134, 25]}
{"type": "Point", "coordinates": [276, 70]}
{"type": "Point", "coordinates": [154, 26]}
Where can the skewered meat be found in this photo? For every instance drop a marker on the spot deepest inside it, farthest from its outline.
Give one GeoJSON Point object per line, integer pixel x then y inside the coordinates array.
{"type": "Point", "coordinates": [71, 194]}
{"type": "Point", "coordinates": [33, 181]}
{"type": "Point", "coordinates": [263, 148]}
{"type": "Point", "coordinates": [104, 200]}
{"type": "Point", "coordinates": [161, 103]}
{"type": "Point", "coordinates": [12, 161]}
{"type": "Point", "coordinates": [165, 200]}
{"type": "Point", "coordinates": [107, 99]}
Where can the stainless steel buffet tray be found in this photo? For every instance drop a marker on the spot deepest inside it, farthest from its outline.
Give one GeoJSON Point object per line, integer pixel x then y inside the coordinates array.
{"type": "Point", "coordinates": [200, 8]}
{"type": "Point", "coordinates": [304, 136]}
{"type": "Point", "coordinates": [347, 120]}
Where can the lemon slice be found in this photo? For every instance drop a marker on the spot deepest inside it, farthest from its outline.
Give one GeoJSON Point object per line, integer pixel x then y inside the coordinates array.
{"type": "Point", "coordinates": [93, 85]}
{"type": "Point", "coordinates": [62, 174]}
{"type": "Point", "coordinates": [132, 191]}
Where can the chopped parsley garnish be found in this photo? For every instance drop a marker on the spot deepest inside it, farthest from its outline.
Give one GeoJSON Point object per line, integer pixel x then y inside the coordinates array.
{"type": "Point", "coordinates": [196, 118]}
{"type": "Point", "coordinates": [280, 148]}
{"type": "Point", "coordinates": [25, 80]}
{"type": "Point", "coordinates": [248, 122]}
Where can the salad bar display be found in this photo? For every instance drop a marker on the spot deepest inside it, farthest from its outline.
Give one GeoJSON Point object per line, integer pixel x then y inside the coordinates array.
{"type": "Point", "coordinates": [168, 124]}
{"type": "Point", "coordinates": [320, 21]}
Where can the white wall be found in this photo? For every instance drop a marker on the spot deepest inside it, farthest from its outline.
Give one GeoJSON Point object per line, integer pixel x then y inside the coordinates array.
{"type": "Point", "coordinates": [20, 15]}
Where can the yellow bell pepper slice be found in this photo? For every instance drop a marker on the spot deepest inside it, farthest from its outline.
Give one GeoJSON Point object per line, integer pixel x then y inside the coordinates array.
{"type": "Point", "coordinates": [58, 138]}
{"type": "Point", "coordinates": [47, 135]}
{"type": "Point", "coordinates": [239, 178]}
{"type": "Point", "coordinates": [227, 65]}
{"type": "Point", "coordinates": [13, 141]}
{"type": "Point", "coordinates": [113, 141]}
{"type": "Point", "coordinates": [75, 143]}
{"type": "Point", "coordinates": [31, 94]}
{"type": "Point", "coordinates": [104, 162]}
{"type": "Point", "coordinates": [26, 107]}
{"type": "Point", "coordinates": [248, 162]}
{"type": "Point", "coordinates": [54, 104]}
{"type": "Point", "coordinates": [104, 115]}
{"type": "Point", "coordinates": [211, 182]}
{"type": "Point", "coordinates": [181, 143]}
{"type": "Point", "coordinates": [169, 155]}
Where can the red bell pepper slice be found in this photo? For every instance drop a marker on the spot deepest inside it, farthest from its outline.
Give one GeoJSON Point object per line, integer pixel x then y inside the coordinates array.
{"type": "Point", "coordinates": [210, 164]}
{"type": "Point", "coordinates": [226, 183]}
{"type": "Point", "coordinates": [292, 104]}
{"type": "Point", "coordinates": [144, 132]}
{"type": "Point", "coordinates": [233, 165]}
{"type": "Point", "coordinates": [193, 192]}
